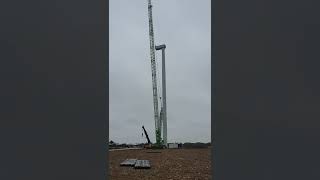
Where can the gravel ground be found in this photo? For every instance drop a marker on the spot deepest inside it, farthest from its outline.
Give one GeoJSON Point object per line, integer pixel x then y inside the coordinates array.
{"type": "Point", "coordinates": [172, 164]}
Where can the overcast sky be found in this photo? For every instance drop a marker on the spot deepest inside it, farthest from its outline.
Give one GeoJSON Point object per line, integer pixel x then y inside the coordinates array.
{"type": "Point", "coordinates": [185, 27]}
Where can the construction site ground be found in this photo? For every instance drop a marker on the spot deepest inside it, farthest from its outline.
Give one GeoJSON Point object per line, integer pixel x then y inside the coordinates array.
{"type": "Point", "coordinates": [172, 164]}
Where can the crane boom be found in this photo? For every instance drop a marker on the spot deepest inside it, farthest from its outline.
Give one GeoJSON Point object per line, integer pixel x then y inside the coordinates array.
{"type": "Point", "coordinates": [145, 132]}
{"type": "Point", "coordinates": [154, 76]}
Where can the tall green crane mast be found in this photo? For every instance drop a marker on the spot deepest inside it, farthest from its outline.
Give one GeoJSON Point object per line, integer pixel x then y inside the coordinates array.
{"type": "Point", "coordinates": [154, 77]}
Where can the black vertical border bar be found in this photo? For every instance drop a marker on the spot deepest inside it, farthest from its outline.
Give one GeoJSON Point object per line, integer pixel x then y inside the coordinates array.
{"type": "Point", "coordinates": [266, 89]}
{"type": "Point", "coordinates": [107, 93]}
{"type": "Point", "coordinates": [213, 120]}
{"type": "Point", "coordinates": [53, 89]}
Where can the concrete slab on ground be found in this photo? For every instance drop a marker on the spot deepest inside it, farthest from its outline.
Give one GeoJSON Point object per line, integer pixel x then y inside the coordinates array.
{"type": "Point", "coordinates": [142, 164]}
{"type": "Point", "coordinates": [128, 162]}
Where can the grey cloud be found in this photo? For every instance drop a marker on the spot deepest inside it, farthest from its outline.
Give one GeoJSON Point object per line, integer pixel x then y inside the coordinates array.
{"type": "Point", "coordinates": [185, 27]}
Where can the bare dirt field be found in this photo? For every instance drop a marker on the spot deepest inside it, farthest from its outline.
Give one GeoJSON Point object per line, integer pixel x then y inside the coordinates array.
{"type": "Point", "coordinates": [169, 164]}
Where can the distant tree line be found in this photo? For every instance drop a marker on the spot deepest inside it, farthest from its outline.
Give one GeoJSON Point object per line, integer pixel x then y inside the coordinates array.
{"type": "Point", "coordinates": [187, 145]}
{"type": "Point", "coordinates": [196, 145]}
{"type": "Point", "coordinates": [113, 145]}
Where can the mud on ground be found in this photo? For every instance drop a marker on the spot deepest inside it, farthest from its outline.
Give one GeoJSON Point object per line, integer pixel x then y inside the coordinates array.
{"type": "Point", "coordinates": [172, 164]}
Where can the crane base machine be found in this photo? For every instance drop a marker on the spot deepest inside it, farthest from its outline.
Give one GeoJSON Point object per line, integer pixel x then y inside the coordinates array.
{"type": "Point", "coordinates": [149, 144]}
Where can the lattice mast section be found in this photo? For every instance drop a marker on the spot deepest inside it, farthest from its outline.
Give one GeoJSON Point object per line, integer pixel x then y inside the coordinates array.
{"type": "Point", "coordinates": [154, 76]}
